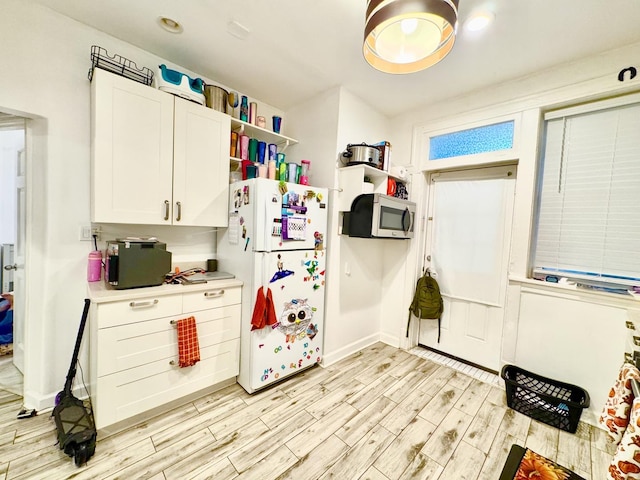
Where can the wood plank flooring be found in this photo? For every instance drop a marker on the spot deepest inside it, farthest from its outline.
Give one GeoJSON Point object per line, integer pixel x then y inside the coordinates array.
{"type": "Point", "coordinates": [381, 414]}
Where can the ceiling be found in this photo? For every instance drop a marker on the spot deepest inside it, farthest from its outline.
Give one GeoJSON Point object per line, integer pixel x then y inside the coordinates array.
{"type": "Point", "coordinates": [296, 49]}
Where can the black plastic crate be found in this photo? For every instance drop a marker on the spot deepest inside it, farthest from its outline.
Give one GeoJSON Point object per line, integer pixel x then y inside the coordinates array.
{"type": "Point", "coordinates": [552, 402]}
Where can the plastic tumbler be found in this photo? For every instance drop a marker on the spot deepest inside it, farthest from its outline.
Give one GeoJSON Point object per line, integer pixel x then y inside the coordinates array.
{"type": "Point", "coordinates": [94, 267]}
{"type": "Point", "coordinates": [253, 112]}
{"type": "Point", "coordinates": [277, 123]}
{"type": "Point", "coordinates": [272, 170]}
{"type": "Point", "coordinates": [273, 150]}
{"type": "Point", "coordinates": [280, 158]}
{"type": "Point", "coordinates": [244, 147]}
{"type": "Point", "coordinates": [282, 172]}
{"type": "Point", "coordinates": [292, 173]}
{"type": "Point", "coordinates": [262, 147]}
{"type": "Point", "coordinates": [252, 171]}
{"type": "Point", "coordinates": [253, 149]}
{"type": "Point", "coordinates": [233, 149]}
{"type": "Point", "coordinates": [304, 175]}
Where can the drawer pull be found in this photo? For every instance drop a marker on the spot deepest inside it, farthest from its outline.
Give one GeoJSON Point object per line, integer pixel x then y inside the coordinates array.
{"type": "Point", "coordinates": [172, 363]}
{"type": "Point", "coordinates": [217, 293]}
{"type": "Point", "coordinates": [148, 303]}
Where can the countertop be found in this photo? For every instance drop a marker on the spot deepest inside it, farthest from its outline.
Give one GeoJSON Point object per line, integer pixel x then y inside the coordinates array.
{"type": "Point", "coordinates": [100, 292]}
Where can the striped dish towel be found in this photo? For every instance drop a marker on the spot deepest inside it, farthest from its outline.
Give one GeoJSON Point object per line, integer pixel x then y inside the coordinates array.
{"type": "Point", "coordinates": [188, 346]}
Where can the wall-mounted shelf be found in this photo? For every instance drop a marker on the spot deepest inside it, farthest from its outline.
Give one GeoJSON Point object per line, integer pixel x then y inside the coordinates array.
{"type": "Point", "coordinates": [351, 182]}
{"type": "Point", "coordinates": [262, 134]}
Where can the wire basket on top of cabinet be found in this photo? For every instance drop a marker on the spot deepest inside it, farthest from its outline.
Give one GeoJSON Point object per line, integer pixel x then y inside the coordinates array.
{"type": "Point", "coordinates": [118, 65]}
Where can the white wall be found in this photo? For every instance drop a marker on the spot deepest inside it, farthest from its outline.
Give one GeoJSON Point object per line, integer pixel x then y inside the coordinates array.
{"type": "Point", "coordinates": [569, 337]}
{"type": "Point", "coordinates": [324, 126]}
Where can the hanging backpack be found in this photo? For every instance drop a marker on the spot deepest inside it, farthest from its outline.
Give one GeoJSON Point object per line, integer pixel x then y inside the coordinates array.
{"type": "Point", "coordinates": [427, 301]}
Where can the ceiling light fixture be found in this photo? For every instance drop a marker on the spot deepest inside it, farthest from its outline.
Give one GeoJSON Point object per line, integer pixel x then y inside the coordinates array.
{"type": "Point", "coordinates": [406, 36]}
{"type": "Point", "coordinates": [170, 25]}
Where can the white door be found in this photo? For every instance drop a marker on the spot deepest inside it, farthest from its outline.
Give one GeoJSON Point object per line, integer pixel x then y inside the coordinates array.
{"type": "Point", "coordinates": [467, 249]}
{"type": "Point", "coordinates": [201, 165]}
{"type": "Point", "coordinates": [19, 262]}
{"type": "Point", "coordinates": [295, 280]}
{"type": "Point", "coordinates": [131, 151]}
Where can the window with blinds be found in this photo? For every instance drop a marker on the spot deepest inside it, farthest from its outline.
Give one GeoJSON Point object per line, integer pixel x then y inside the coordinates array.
{"type": "Point", "coordinates": [588, 211]}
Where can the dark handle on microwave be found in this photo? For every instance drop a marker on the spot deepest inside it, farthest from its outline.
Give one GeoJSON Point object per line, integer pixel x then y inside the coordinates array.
{"type": "Point", "coordinates": [406, 214]}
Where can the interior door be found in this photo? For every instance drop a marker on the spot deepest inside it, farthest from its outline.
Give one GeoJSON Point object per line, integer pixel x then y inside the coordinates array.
{"type": "Point", "coordinates": [467, 250]}
{"type": "Point", "coordinates": [19, 262]}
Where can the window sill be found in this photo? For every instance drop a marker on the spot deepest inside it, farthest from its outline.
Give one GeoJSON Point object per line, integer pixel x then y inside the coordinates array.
{"type": "Point", "coordinates": [573, 292]}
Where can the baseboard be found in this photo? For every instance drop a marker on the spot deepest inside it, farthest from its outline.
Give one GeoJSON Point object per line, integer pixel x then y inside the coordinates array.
{"type": "Point", "coordinates": [391, 340]}
{"type": "Point", "coordinates": [44, 403]}
{"type": "Point", "coordinates": [343, 352]}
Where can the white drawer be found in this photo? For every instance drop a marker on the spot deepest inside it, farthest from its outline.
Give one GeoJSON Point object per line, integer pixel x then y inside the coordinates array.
{"type": "Point", "coordinates": [138, 310]}
{"type": "Point", "coordinates": [211, 298]}
{"type": "Point", "coordinates": [137, 390]}
{"type": "Point", "coordinates": [129, 346]}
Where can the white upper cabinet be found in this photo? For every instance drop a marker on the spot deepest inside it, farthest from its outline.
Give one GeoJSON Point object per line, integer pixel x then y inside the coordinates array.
{"type": "Point", "coordinates": [156, 159]}
{"type": "Point", "coordinates": [200, 165]}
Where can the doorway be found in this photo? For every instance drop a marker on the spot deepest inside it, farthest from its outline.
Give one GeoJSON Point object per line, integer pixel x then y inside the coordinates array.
{"type": "Point", "coordinates": [12, 248]}
{"type": "Point", "coordinates": [467, 250]}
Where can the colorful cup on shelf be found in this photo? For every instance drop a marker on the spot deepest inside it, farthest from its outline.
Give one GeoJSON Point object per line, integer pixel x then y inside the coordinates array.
{"type": "Point", "coordinates": [273, 150]}
{"type": "Point", "coordinates": [277, 123]}
{"type": "Point", "coordinates": [253, 149]}
{"type": "Point", "coordinates": [244, 147]}
{"type": "Point", "coordinates": [233, 149]}
{"type": "Point", "coordinates": [262, 148]}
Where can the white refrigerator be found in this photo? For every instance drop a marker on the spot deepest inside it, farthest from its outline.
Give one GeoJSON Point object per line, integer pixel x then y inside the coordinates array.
{"type": "Point", "coordinates": [275, 244]}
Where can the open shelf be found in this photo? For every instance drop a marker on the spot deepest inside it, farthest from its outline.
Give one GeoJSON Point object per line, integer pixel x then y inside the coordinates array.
{"type": "Point", "coordinates": [262, 134]}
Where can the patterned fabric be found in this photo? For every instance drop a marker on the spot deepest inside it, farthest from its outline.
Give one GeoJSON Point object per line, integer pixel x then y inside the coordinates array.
{"type": "Point", "coordinates": [626, 462]}
{"type": "Point", "coordinates": [534, 466]}
{"type": "Point", "coordinates": [263, 311]}
{"type": "Point", "coordinates": [617, 408]}
{"type": "Point", "coordinates": [188, 346]}
{"type": "Point", "coordinates": [525, 464]}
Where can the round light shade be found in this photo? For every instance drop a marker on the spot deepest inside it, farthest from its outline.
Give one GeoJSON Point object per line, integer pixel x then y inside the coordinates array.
{"type": "Point", "coordinates": [406, 36]}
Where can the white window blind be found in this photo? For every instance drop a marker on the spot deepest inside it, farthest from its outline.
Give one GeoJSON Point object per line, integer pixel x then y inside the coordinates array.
{"type": "Point", "coordinates": [589, 198]}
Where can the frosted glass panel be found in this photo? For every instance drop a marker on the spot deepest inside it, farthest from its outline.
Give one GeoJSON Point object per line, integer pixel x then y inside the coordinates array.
{"type": "Point", "coordinates": [489, 138]}
{"type": "Point", "coordinates": [469, 237]}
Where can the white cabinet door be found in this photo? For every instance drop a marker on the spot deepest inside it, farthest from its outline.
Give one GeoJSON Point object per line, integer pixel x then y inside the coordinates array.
{"type": "Point", "coordinates": [201, 165]}
{"type": "Point", "coordinates": [132, 151]}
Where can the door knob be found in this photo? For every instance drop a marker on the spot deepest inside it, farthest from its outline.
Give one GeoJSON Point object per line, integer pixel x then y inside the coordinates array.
{"type": "Point", "coordinates": [11, 267]}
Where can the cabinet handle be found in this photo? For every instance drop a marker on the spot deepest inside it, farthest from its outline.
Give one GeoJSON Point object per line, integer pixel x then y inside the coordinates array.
{"type": "Point", "coordinates": [179, 216]}
{"type": "Point", "coordinates": [148, 303]}
{"type": "Point", "coordinates": [217, 293]}
{"type": "Point", "coordinates": [166, 209]}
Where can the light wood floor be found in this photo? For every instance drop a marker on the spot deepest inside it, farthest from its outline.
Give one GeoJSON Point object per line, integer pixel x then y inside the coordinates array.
{"type": "Point", "coordinates": [380, 414]}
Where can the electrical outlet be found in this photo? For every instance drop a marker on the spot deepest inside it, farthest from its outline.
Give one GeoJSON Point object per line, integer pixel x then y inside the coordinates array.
{"type": "Point", "coordinates": [85, 233]}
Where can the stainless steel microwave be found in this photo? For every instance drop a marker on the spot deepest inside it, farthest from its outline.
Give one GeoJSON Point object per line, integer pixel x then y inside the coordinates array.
{"type": "Point", "coordinates": [374, 215]}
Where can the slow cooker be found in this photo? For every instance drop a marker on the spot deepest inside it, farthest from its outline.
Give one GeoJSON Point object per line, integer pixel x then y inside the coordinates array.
{"type": "Point", "coordinates": [362, 154]}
